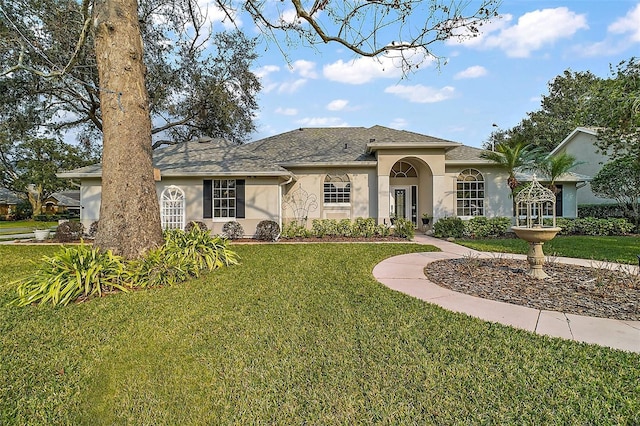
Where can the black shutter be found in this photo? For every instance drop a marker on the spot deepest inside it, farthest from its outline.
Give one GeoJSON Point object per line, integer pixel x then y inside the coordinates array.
{"type": "Point", "coordinates": [239, 198]}
{"type": "Point", "coordinates": [207, 199]}
{"type": "Point", "coordinates": [559, 201]}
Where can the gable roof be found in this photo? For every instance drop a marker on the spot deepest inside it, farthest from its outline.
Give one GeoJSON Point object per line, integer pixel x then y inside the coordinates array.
{"type": "Point", "coordinates": [588, 130]}
{"type": "Point", "coordinates": [304, 147]}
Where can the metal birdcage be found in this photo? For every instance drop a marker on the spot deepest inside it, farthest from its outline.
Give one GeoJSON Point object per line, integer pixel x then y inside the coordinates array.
{"type": "Point", "coordinates": [533, 203]}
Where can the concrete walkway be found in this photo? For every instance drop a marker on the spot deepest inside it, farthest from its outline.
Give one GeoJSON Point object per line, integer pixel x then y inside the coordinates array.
{"type": "Point", "coordinates": [405, 274]}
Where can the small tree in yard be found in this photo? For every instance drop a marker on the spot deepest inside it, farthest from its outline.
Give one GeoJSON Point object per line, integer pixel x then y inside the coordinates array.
{"type": "Point", "coordinates": [620, 179]}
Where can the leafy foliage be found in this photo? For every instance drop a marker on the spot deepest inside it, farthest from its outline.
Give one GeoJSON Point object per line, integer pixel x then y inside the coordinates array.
{"type": "Point", "coordinates": [195, 224]}
{"type": "Point", "coordinates": [199, 82]}
{"type": "Point", "coordinates": [267, 230]}
{"type": "Point", "coordinates": [69, 231]}
{"type": "Point", "coordinates": [83, 272]}
{"type": "Point", "coordinates": [93, 229]}
{"type": "Point", "coordinates": [294, 229]}
{"type": "Point", "coordinates": [620, 179]}
{"type": "Point", "coordinates": [448, 227]}
{"type": "Point", "coordinates": [233, 230]}
{"type": "Point", "coordinates": [364, 227]}
{"type": "Point", "coordinates": [403, 228]}
{"type": "Point", "coordinates": [511, 156]}
{"type": "Point", "coordinates": [594, 226]}
{"type": "Point", "coordinates": [483, 227]}
{"type": "Point", "coordinates": [72, 273]}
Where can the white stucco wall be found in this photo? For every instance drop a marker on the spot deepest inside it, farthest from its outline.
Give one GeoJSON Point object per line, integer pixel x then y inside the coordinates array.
{"type": "Point", "coordinates": [261, 201]}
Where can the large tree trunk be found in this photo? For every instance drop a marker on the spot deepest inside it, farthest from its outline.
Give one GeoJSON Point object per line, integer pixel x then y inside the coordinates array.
{"type": "Point", "coordinates": [129, 213]}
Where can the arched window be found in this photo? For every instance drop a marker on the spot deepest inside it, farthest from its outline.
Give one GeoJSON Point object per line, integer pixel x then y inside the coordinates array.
{"type": "Point", "coordinates": [403, 169]}
{"type": "Point", "coordinates": [172, 206]}
{"type": "Point", "coordinates": [337, 189]}
{"type": "Point", "coordinates": [470, 193]}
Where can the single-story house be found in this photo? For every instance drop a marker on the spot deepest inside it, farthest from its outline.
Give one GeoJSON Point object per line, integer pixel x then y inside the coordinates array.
{"type": "Point", "coordinates": [333, 173]}
{"type": "Point", "coordinates": [62, 202]}
{"type": "Point", "coordinates": [8, 203]}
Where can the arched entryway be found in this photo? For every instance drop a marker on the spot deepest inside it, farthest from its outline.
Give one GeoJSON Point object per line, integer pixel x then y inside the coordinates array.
{"type": "Point", "coordinates": [410, 191]}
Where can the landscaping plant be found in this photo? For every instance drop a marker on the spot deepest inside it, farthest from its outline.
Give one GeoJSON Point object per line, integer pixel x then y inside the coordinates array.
{"type": "Point", "coordinates": [82, 271]}
{"type": "Point", "coordinates": [72, 273]}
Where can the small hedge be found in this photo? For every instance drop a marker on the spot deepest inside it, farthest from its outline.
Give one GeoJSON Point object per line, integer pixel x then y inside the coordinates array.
{"type": "Point", "coordinates": [233, 230]}
{"type": "Point", "coordinates": [477, 227]}
{"type": "Point", "coordinates": [360, 227]}
{"type": "Point", "coordinates": [593, 226]}
{"type": "Point", "coordinates": [267, 230]}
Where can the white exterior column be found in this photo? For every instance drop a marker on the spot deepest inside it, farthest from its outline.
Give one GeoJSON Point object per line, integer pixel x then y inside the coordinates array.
{"type": "Point", "coordinates": [443, 197]}
{"type": "Point", "coordinates": [383, 199]}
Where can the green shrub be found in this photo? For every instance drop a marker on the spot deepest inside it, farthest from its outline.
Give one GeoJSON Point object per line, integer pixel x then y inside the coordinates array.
{"type": "Point", "coordinates": [267, 230]}
{"type": "Point", "coordinates": [196, 223]}
{"type": "Point", "coordinates": [93, 229]}
{"type": "Point", "coordinates": [447, 227]}
{"type": "Point", "coordinates": [363, 227]}
{"type": "Point", "coordinates": [344, 228]}
{"type": "Point", "coordinates": [594, 227]}
{"type": "Point", "coordinates": [483, 227]}
{"type": "Point", "coordinates": [159, 268]}
{"type": "Point", "coordinates": [69, 231]}
{"type": "Point", "coordinates": [198, 246]}
{"type": "Point", "coordinates": [295, 230]}
{"type": "Point", "coordinates": [232, 230]}
{"type": "Point", "coordinates": [72, 273]}
{"type": "Point", "coordinates": [383, 230]}
{"type": "Point", "coordinates": [404, 228]}
{"type": "Point", "coordinates": [84, 272]}
{"type": "Point", "coordinates": [323, 227]}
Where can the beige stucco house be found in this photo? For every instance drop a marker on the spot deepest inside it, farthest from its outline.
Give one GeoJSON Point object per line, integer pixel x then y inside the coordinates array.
{"type": "Point", "coordinates": [311, 173]}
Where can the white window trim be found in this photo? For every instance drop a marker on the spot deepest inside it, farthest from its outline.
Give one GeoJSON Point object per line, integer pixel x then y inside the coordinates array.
{"type": "Point", "coordinates": [167, 219]}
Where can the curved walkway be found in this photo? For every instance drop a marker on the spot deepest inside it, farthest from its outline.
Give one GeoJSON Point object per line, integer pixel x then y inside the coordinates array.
{"type": "Point", "coordinates": [405, 273]}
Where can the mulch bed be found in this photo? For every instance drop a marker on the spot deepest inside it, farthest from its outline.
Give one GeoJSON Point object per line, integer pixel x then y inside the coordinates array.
{"type": "Point", "coordinates": [598, 292]}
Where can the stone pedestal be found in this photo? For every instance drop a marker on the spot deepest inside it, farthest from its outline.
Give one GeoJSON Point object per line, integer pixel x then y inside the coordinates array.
{"type": "Point", "coordinates": [536, 237]}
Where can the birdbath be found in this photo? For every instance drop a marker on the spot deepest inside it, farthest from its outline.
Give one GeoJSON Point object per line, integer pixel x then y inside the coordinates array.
{"type": "Point", "coordinates": [534, 201]}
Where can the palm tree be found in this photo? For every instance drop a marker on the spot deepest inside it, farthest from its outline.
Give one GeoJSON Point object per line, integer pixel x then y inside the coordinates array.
{"type": "Point", "coordinates": [554, 167]}
{"type": "Point", "coordinates": [511, 157]}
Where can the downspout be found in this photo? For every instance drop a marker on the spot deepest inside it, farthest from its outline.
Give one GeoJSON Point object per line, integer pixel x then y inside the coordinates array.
{"type": "Point", "coordinates": [280, 196]}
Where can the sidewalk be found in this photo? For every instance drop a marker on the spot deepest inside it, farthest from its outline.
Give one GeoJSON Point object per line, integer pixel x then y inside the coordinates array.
{"type": "Point", "coordinates": [405, 274]}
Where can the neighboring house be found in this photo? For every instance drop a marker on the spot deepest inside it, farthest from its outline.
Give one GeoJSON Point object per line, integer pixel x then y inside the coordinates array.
{"type": "Point", "coordinates": [62, 202]}
{"type": "Point", "coordinates": [8, 204]}
{"type": "Point", "coordinates": [581, 144]}
{"type": "Point", "coordinates": [314, 173]}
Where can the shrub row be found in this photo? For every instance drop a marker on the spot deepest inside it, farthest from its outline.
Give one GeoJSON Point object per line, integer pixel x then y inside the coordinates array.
{"type": "Point", "coordinates": [601, 211]}
{"type": "Point", "coordinates": [482, 227]}
{"type": "Point", "coordinates": [360, 227]}
{"type": "Point", "coordinates": [594, 226]}
{"type": "Point", "coordinates": [81, 272]}
{"type": "Point", "coordinates": [477, 227]}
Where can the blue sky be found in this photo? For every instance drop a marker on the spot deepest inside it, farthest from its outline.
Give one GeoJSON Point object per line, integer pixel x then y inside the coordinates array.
{"type": "Point", "coordinates": [496, 78]}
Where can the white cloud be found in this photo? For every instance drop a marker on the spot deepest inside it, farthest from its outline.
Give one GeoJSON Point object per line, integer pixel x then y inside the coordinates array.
{"type": "Point", "coordinates": [422, 94]}
{"type": "Point", "coordinates": [533, 31]}
{"type": "Point", "coordinates": [337, 105]}
{"type": "Point", "coordinates": [363, 70]}
{"type": "Point", "coordinates": [306, 69]}
{"type": "Point", "coordinates": [399, 123]}
{"type": "Point", "coordinates": [471, 72]}
{"type": "Point", "coordinates": [323, 122]}
{"type": "Point", "coordinates": [266, 70]}
{"type": "Point", "coordinates": [286, 111]}
{"type": "Point", "coordinates": [292, 86]}
{"type": "Point", "coordinates": [263, 74]}
{"type": "Point", "coordinates": [630, 23]}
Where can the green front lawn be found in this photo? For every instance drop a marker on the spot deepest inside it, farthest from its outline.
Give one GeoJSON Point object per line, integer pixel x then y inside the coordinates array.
{"type": "Point", "coordinates": [295, 334]}
{"type": "Point", "coordinates": [30, 224]}
{"type": "Point", "coordinates": [612, 249]}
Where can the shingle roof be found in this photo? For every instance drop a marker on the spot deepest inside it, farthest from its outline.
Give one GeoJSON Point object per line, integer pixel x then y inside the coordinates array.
{"type": "Point", "coordinates": [8, 197]}
{"type": "Point", "coordinates": [300, 147]}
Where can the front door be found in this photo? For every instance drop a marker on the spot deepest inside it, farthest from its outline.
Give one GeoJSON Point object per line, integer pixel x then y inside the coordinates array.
{"type": "Point", "coordinates": [403, 202]}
